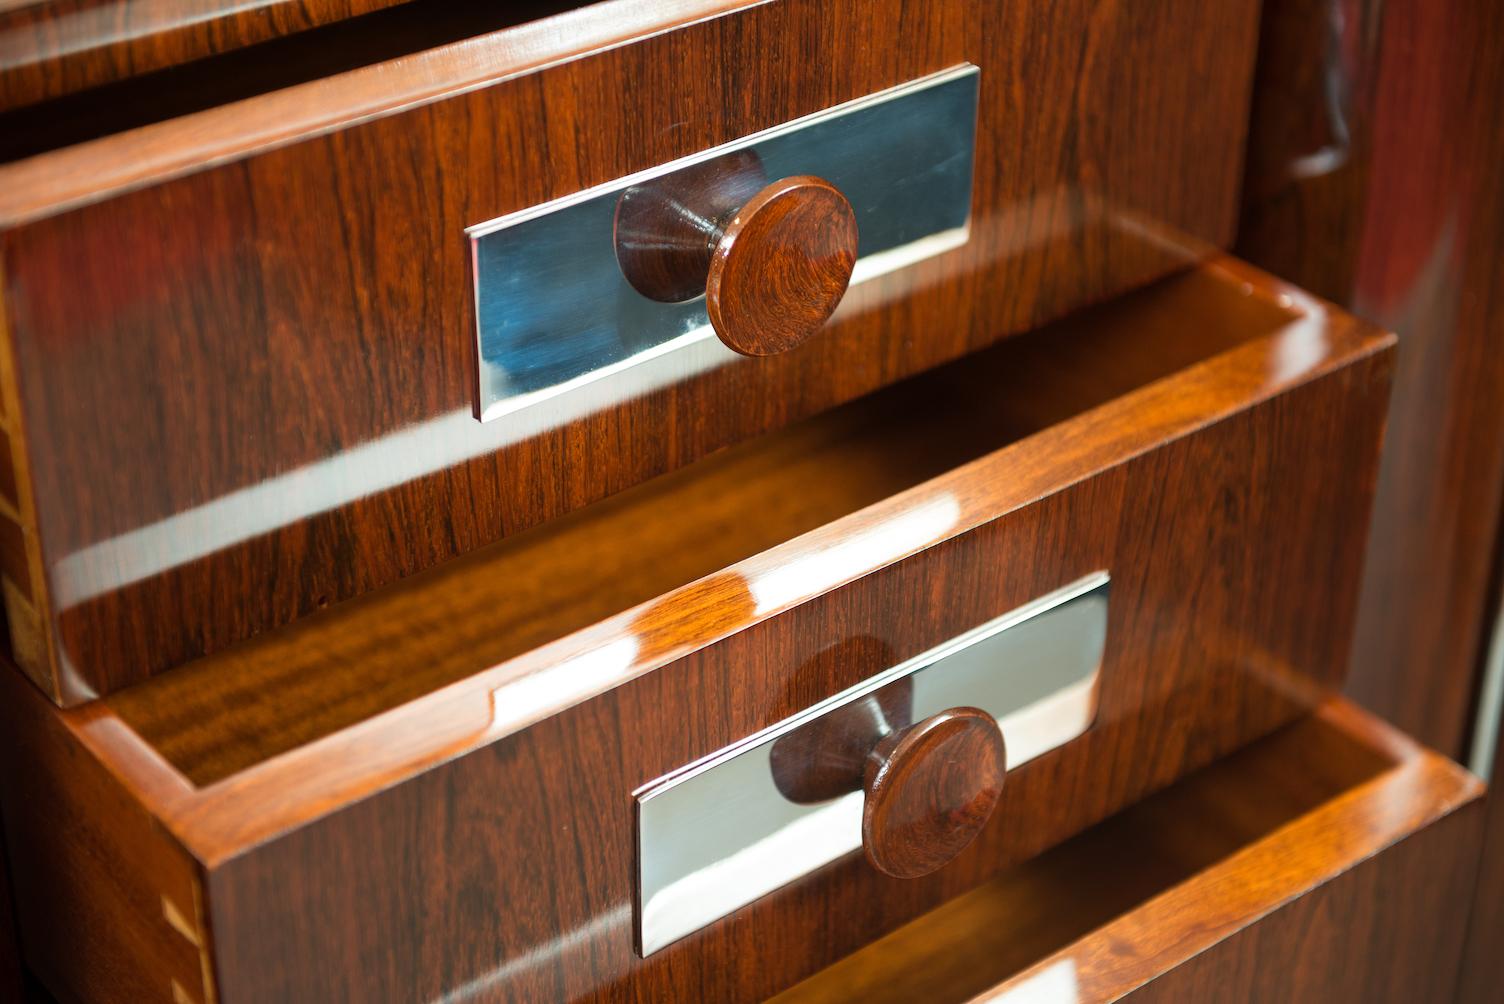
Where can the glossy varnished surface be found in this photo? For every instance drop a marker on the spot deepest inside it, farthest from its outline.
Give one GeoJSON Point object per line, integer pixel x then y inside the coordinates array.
{"type": "Point", "coordinates": [120, 161]}
{"type": "Point", "coordinates": [1253, 880]}
{"type": "Point", "coordinates": [369, 862]}
{"type": "Point", "coordinates": [263, 405]}
{"type": "Point", "coordinates": [1373, 163]}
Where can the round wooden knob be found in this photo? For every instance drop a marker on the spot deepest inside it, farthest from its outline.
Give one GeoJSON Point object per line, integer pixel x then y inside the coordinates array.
{"type": "Point", "coordinates": [781, 266]}
{"type": "Point", "coordinates": [773, 260]}
{"type": "Point", "coordinates": [930, 789]}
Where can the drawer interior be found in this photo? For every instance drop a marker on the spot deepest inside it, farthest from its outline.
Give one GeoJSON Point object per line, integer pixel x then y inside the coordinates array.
{"type": "Point", "coordinates": [1231, 842]}
{"type": "Point", "coordinates": [225, 713]}
{"type": "Point", "coordinates": [387, 32]}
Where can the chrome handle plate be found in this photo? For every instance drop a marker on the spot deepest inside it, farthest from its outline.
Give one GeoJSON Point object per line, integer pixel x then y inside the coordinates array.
{"type": "Point", "coordinates": [717, 834]}
{"type": "Point", "coordinates": [557, 323]}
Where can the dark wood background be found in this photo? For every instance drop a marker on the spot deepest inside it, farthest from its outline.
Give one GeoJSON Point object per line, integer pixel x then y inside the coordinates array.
{"type": "Point", "coordinates": [1373, 180]}
{"type": "Point", "coordinates": [1404, 222]}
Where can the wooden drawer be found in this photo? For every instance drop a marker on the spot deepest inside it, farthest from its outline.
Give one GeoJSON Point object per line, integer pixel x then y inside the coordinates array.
{"type": "Point", "coordinates": [431, 790]}
{"type": "Point", "coordinates": [240, 344]}
{"type": "Point", "coordinates": [1328, 862]}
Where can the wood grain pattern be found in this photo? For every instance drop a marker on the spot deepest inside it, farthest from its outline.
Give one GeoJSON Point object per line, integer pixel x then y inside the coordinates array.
{"type": "Point", "coordinates": [1357, 112]}
{"type": "Point", "coordinates": [57, 47]}
{"type": "Point", "coordinates": [929, 790]}
{"type": "Point", "coordinates": [297, 304]}
{"type": "Point", "coordinates": [1321, 864]}
{"type": "Point", "coordinates": [404, 834]}
{"type": "Point", "coordinates": [781, 266]}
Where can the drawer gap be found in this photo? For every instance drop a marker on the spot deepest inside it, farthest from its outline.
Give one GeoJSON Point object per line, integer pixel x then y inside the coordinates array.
{"type": "Point", "coordinates": [300, 58]}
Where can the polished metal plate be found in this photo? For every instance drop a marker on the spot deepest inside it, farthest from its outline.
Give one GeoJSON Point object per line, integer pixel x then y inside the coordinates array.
{"type": "Point", "coordinates": [555, 318]}
{"type": "Point", "coordinates": [718, 834]}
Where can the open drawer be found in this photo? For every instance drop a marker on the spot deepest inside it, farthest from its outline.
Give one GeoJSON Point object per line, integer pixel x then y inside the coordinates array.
{"type": "Point", "coordinates": [266, 356]}
{"type": "Point", "coordinates": [1336, 846]}
{"type": "Point", "coordinates": [452, 787]}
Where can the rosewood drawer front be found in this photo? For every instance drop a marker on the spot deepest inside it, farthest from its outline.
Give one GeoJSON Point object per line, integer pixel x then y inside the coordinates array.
{"type": "Point", "coordinates": [445, 787]}
{"type": "Point", "coordinates": [247, 351]}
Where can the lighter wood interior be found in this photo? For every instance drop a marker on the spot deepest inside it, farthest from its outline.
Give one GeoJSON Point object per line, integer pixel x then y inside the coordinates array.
{"type": "Point", "coordinates": [215, 717]}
